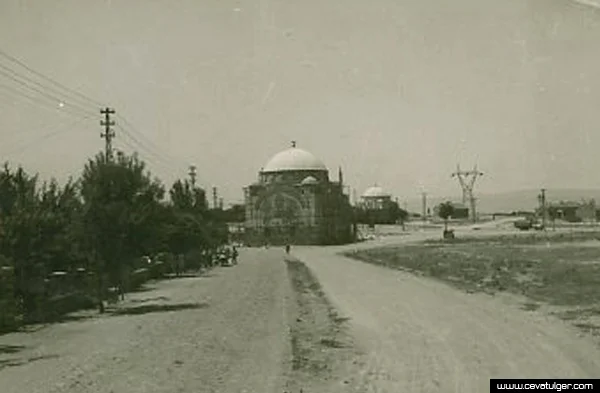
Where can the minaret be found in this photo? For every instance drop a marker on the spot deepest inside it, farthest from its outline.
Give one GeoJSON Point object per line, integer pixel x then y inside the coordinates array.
{"type": "Point", "coordinates": [340, 176]}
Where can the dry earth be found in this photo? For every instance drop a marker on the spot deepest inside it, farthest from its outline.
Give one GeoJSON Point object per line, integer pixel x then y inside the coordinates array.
{"type": "Point", "coordinates": [269, 326]}
{"type": "Point", "coordinates": [324, 358]}
{"type": "Point", "coordinates": [226, 333]}
{"type": "Point", "coordinates": [418, 335]}
{"type": "Point", "coordinates": [261, 326]}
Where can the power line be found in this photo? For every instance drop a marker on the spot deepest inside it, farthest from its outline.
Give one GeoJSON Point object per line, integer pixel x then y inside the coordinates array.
{"type": "Point", "coordinates": [42, 126]}
{"type": "Point", "coordinates": [54, 82]}
{"type": "Point", "coordinates": [148, 155]}
{"type": "Point", "coordinates": [50, 96]}
{"type": "Point", "coordinates": [159, 164]}
{"type": "Point", "coordinates": [142, 146]}
{"type": "Point", "coordinates": [145, 142]}
{"type": "Point", "coordinates": [44, 103]}
{"type": "Point", "coordinates": [47, 105]}
{"type": "Point", "coordinates": [146, 148]}
{"type": "Point", "coordinates": [34, 82]}
{"type": "Point", "coordinates": [45, 137]}
{"type": "Point", "coordinates": [149, 142]}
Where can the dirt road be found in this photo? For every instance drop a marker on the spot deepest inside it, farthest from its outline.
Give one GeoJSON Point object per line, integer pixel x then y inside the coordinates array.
{"type": "Point", "coordinates": [225, 333]}
{"type": "Point", "coordinates": [419, 335]}
{"type": "Point", "coordinates": [230, 332]}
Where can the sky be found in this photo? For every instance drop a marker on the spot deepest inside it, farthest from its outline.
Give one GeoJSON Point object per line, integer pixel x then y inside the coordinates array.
{"type": "Point", "coordinates": [397, 92]}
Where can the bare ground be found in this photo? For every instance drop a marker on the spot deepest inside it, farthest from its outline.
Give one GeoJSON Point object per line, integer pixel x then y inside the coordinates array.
{"type": "Point", "coordinates": [263, 326]}
{"type": "Point", "coordinates": [224, 333]}
{"type": "Point", "coordinates": [420, 335]}
{"type": "Point", "coordinates": [322, 349]}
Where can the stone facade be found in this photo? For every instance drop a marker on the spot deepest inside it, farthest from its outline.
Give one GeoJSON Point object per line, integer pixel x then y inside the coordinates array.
{"type": "Point", "coordinates": [295, 202]}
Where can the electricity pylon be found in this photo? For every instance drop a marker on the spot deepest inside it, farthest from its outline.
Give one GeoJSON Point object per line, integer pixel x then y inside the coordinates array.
{"type": "Point", "coordinates": [467, 181]}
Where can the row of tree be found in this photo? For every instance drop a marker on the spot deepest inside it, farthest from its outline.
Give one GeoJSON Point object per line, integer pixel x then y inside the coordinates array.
{"type": "Point", "coordinates": [102, 222]}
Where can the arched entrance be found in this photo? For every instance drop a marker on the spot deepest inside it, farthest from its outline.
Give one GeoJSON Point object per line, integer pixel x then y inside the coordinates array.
{"type": "Point", "coordinates": [281, 214]}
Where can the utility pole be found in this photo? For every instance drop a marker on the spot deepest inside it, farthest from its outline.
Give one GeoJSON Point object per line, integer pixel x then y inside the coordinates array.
{"type": "Point", "coordinates": [542, 198]}
{"type": "Point", "coordinates": [424, 201]}
{"type": "Point", "coordinates": [467, 180]}
{"type": "Point", "coordinates": [192, 174]}
{"type": "Point", "coordinates": [215, 199]}
{"type": "Point", "coordinates": [108, 133]}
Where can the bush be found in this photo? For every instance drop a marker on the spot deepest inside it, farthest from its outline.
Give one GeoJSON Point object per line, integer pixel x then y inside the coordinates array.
{"type": "Point", "coordinates": [139, 278]}
{"type": "Point", "coordinates": [60, 305]}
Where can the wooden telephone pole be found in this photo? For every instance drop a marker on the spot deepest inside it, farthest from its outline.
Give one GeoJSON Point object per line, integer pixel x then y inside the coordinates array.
{"type": "Point", "coordinates": [108, 133]}
{"type": "Point", "coordinates": [192, 174]}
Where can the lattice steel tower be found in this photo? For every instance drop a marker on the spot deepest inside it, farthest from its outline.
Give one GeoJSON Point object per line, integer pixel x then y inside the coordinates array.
{"type": "Point", "coordinates": [467, 181]}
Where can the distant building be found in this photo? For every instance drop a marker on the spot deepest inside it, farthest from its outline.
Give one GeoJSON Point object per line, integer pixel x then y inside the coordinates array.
{"type": "Point", "coordinates": [375, 198]}
{"type": "Point", "coordinates": [570, 211]}
{"type": "Point", "coordinates": [461, 211]}
{"type": "Point", "coordinates": [294, 202]}
{"type": "Point", "coordinates": [377, 207]}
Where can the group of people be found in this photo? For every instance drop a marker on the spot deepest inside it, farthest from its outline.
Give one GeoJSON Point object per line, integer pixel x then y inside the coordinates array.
{"type": "Point", "coordinates": [226, 256]}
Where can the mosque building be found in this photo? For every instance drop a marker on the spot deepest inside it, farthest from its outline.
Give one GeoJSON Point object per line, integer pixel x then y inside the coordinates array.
{"type": "Point", "coordinates": [295, 202]}
{"type": "Point", "coordinates": [377, 207]}
{"type": "Point", "coordinates": [375, 198]}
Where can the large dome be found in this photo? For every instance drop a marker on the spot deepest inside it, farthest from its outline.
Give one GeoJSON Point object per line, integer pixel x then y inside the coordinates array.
{"type": "Point", "coordinates": [294, 159]}
{"type": "Point", "coordinates": [375, 192]}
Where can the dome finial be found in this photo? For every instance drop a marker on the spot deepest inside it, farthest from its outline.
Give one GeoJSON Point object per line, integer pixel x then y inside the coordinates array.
{"type": "Point", "coordinates": [293, 143]}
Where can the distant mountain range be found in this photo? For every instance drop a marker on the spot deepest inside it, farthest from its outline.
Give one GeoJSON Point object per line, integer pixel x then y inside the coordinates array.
{"type": "Point", "coordinates": [512, 200]}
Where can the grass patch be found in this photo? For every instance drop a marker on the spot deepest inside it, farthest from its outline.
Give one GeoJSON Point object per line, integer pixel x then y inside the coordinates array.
{"type": "Point", "coordinates": [316, 327]}
{"type": "Point", "coordinates": [557, 274]}
{"type": "Point", "coordinates": [155, 308]}
{"type": "Point", "coordinates": [11, 348]}
{"type": "Point", "coordinates": [530, 306]}
{"type": "Point", "coordinates": [561, 270]}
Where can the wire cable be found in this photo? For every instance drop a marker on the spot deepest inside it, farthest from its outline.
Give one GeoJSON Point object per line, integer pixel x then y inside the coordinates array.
{"type": "Point", "coordinates": [50, 96]}
{"type": "Point", "coordinates": [157, 155]}
{"type": "Point", "coordinates": [57, 92]}
{"type": "Point", "coordinates": [45, 137]}
{"type": "Point", "coordinates": [143, 142]}
{"type": "Point", "coordinates": [160, 164]}
{"type": "Point", "coordinates": [41, 103]}
{"type": "Point", "coordinates": [54, 82]}
{"type": "Point", "coordinates": [137, 147]}
{"type": "Point", "coordinates": [149, 142]}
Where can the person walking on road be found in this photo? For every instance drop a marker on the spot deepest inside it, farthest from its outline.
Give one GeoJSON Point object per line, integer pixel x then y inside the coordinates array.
{"type": "Point", "coordinates": [287, 248]}
{"type": "Point", "coordinates": [234, 256]}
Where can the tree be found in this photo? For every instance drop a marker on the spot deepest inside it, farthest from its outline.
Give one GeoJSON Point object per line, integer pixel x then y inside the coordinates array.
{"type": "Point", "coordinates": [446, 210]}
{"type": "Point", "coordinates": [121, 207]}
{"type": "Point", "coordinates": [395, 213]}
{"type": "Point", "coordinates": [236, 213]}
{"type": "Point", "coordinates": [193, 228]}
{"type": "Point", "coordinates": [186, 197]}
{"type": "Point", "coordinates": [20, 240]}
{"type": "Point", "coordinates": [104, 221]}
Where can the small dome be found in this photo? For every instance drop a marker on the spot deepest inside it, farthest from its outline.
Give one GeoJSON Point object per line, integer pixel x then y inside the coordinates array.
{"type": "Point", "coordinates": [309, 180]}
{"type": "Point", "coordinates": [375, 192]}
{"type": "Point", "coordinates": [294, 159]}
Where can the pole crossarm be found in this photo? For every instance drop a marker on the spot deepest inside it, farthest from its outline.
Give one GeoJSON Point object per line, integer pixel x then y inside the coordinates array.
{"type": "Point", "coordinates": [108, 133]}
